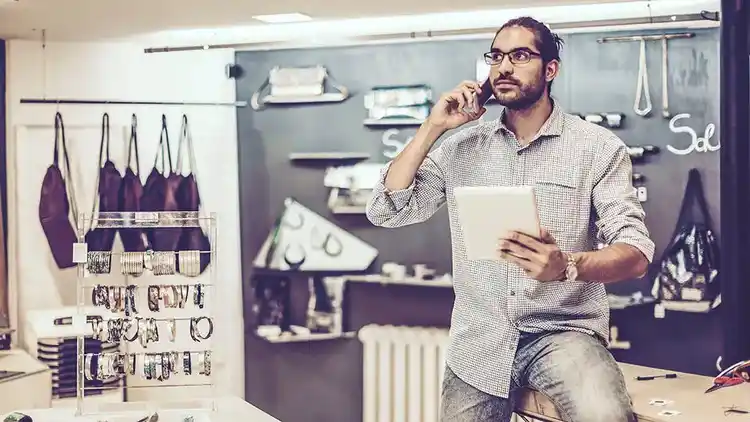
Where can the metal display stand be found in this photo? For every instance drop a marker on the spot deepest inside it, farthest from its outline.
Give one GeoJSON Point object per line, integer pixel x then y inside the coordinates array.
{"type": "Point", "coordinates": [161, 302]}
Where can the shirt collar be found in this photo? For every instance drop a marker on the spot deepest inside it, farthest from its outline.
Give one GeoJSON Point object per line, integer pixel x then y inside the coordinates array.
{"type": "Point", "coordinates": [552, 127]}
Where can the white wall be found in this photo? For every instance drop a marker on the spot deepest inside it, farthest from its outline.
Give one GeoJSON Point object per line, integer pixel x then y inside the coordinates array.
{"type": "Point", "coordinates": [121, 71]}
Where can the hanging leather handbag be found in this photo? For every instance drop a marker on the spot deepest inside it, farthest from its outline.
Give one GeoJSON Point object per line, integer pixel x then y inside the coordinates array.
{"type": "Point", "coordinates": [55, 204]}
{"type": "Point", "coordinates": [133, 238]}
{"type": "Point", "coordinates": [107, 198]}
{"type": "Point", "coordinates": [188, 197]}
{"type": "Point", "coordinates": [160, 194]}
{"type": "Point", "coordinates": [689, 267]}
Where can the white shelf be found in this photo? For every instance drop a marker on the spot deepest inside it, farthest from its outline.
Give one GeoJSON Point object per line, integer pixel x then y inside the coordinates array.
{"type": "Point", "coordinates": [333, 97]}
{"type": "Point", "coordinates": [401, 121]}
{"type": "Point", "coordinates": [328, 156]}
{"type": "Point", "coordinates": [302, 338]}
{"type": "Point", "coordinates": [684, 306]}
{"type": "Point", "coordinates": [444, 281]}
{"type": "Point", "coordinates": [348, 210]}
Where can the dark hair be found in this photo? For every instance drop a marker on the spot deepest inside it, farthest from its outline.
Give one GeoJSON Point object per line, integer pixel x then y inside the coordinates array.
{"type": "Point", "coordinates": [548, 43]}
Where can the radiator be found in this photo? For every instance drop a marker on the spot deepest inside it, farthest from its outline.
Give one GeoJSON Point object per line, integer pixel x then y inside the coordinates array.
{"type": "Point", "coordinates": [403, 372]}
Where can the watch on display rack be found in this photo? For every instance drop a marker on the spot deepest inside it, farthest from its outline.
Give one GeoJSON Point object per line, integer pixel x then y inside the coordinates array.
{"type": "Point", "coordinates": [159, 313]}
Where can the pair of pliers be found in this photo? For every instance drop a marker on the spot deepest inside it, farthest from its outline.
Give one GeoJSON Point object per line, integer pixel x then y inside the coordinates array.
{"type": "Point", "coordinates": [722, 382]}
{"type": "Point", "coordinates": [734, 375]}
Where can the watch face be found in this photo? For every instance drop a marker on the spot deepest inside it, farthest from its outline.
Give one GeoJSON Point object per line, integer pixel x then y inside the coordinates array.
{"type": "Point", "coordinates": [571, 272]}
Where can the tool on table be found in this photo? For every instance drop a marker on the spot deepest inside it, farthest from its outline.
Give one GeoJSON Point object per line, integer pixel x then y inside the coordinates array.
{"type": "Point", "coordinates": [735, 409]}
{"type": "Point", "coordinates": [734, 375]}
{"type": "Point", "coordinates": [642, 91]}
{"type": "Point", "coordinates": [653, 377]}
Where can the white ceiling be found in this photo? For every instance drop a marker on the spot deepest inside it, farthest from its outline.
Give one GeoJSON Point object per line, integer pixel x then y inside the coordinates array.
{"type": "Point", "coordinates": [81, 20]}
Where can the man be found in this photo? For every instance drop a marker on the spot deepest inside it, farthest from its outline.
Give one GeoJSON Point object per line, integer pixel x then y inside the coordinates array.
{"type": "Point", "coordinates": [538, 316]}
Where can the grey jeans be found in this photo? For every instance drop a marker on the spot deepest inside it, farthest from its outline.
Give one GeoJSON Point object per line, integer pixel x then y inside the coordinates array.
{"type": "Point", "coordinates": [575, 370]}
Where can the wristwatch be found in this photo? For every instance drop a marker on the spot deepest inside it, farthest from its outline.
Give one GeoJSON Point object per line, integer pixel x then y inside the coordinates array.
{"type": "Point", "coordinates": [571, 270]}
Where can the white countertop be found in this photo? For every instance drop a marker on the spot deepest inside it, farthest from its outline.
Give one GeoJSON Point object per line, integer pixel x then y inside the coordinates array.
{"type": "Point", "coordinates": [227, 409]}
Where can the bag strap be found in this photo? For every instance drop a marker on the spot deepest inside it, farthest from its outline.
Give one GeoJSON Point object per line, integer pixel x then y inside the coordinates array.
{"type": "Point", "coordinates": [133, 145]}
{"type": "Point", "coordinates": [186, 140]}
{"type": "Point", "coordinates": [694, 196]}
{"type": "Point", "coordinates": [105, 139]}
{"type": "Point", "coordinates": [164, 146]}
{"type": "Point", "coordinates": [65, 168]}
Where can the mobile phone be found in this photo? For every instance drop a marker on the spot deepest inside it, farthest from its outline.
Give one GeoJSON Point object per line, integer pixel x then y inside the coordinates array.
{"type": "Point", "coordinates": [486, 94]}
{"type": "Point", "coordinates": [482, 98]}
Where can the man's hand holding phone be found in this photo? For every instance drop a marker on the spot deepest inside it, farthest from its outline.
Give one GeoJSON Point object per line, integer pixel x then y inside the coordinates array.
{"type": "Point", "coordinates": [462, 105]}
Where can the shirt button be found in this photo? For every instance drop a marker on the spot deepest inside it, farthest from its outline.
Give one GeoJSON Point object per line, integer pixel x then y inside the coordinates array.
{"type": "Point", "coordinates": [512, 292]}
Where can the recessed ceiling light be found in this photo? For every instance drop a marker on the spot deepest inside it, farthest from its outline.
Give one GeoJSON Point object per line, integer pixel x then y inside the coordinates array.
{"type": "Point", "coordinates": [283, 18]}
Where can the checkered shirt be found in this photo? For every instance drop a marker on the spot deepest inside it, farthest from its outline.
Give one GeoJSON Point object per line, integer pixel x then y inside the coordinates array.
{"type": "Point", "coordinates": [582, 175]}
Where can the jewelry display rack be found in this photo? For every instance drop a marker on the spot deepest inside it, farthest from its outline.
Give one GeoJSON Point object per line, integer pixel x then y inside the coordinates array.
{"type": "Point", "coordinates": [163, 306]}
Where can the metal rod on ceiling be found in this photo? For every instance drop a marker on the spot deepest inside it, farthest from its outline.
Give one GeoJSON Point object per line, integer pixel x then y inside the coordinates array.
{"type": "Point", "coordinates": [653, 37]}
{"type": "Point", "coordinates": [115, 102]}
{"type": "Point", "coordinates": [610, 23]}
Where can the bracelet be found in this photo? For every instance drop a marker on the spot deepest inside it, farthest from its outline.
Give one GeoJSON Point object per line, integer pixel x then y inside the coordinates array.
{"type": "Point", "coordinates": [195, 332]}
{"type": "Point", "coordinates": [127, 325]}
{"type": "Point", "coordinates": [187, 366]}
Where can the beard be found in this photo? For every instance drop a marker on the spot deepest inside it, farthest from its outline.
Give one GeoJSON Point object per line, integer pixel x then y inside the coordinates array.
{"type": "Point", "coordinates": [521, 96]}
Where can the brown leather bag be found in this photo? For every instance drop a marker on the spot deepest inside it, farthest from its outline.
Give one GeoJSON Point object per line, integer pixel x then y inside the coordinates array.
{"type": "Point", "coordinates": [131, 190]}
{"type": "Point", "coordinates": [54, 205]}
{"type": "Point", "coordinates": [189, 199]}
{"type": "Point", "coordinates": [160, 194]}
{"type": "Point", "coordinates": [108, 195]}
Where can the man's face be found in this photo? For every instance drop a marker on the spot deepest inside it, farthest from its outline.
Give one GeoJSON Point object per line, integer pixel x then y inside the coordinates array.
{"type": "Point", "coordinates": [521, 84]}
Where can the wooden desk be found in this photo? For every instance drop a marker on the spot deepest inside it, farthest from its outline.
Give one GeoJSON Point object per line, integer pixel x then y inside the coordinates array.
{"type": "Point", "coordinates": [228, 409]}
{"type": "Point", "coordinates": [686, 393]}
{"type": "Point", "coordinates": [30, 390]}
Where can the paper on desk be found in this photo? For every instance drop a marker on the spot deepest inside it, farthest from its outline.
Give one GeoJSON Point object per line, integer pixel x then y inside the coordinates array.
{"type": "Point", "coordinates": [358, 176]}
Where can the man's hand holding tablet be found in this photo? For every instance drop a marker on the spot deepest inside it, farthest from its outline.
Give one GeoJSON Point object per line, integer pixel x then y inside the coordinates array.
{"type": "Point", "coordinates": [541, 258]}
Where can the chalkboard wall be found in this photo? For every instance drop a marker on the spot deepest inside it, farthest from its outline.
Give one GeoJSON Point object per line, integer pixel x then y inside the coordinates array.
{"type": "Point", "coordinates": [322, 381]}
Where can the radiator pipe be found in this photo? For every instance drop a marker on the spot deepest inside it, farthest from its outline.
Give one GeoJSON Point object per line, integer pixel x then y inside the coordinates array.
{"type": "Point", "coordinates": [735, 178]}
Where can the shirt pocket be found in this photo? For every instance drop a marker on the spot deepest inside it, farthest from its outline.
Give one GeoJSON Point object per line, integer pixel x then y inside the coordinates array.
{"type": "Point", "coordinates": [559, 203]}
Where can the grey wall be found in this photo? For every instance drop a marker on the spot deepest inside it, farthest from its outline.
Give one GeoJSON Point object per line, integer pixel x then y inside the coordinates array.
{"type": "Point", "coordinates": [322, 381]}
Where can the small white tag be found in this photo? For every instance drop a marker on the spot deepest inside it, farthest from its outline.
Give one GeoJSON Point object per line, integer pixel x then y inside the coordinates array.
{"type": "Point", "coordinates": [79, 323]}
{"type": "Point", "coordinates": [689, 293]}
{"type": "Point", "coordinates": [642, 193]}
{"type": "Point", "coordinates": [669, 413]}
{"type": "Point", "coordinates": [80, 253]}
{"type": "Point", "coordinates": [659, 311]}
{"type": "Point", "coordinates": [660, 402]}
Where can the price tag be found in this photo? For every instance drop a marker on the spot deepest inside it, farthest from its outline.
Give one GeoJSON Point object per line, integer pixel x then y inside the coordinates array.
{"type": "Point", "coordinates": [80, 253]}
{"type": "Point", "coordinates": [79, 323]}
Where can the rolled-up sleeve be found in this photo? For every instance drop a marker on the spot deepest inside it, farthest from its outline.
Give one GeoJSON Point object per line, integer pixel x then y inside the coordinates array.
{"type": "Point", "coordinates": [621, 218]}
{"type": "Point", "coordinates": [416, 203]}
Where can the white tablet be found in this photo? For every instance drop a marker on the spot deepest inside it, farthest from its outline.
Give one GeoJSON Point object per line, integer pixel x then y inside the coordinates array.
{"type": "Point", "coordinates": [487, 212]}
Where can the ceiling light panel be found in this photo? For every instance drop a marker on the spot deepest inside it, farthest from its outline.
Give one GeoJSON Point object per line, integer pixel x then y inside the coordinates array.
{"type": "Point", "coordinates": [283, 18]}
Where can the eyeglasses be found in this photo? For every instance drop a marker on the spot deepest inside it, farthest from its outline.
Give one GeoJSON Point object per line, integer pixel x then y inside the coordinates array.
{"type": "Point", "coordinates": [517, 56]}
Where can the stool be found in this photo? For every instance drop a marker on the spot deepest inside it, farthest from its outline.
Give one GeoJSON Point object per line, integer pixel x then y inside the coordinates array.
{"type": "Point", "coordinates": [535, 406]}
